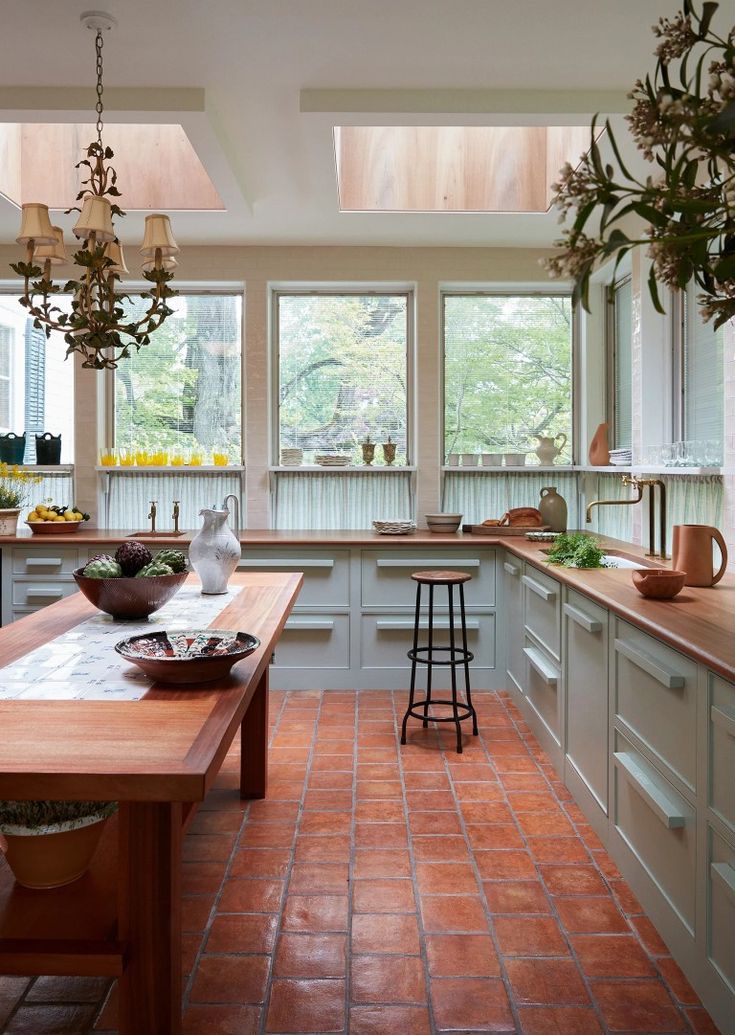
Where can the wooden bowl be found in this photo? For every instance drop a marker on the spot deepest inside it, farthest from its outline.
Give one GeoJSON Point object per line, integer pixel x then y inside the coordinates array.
{"type": "Point", "coordinates": [53, 527]}
{"type": "Point", "coordinates": [658, 583]}
{"type": "Point", "coordinates": [188, 655]}
{"type": "Point", "coordinates": [130, 598]}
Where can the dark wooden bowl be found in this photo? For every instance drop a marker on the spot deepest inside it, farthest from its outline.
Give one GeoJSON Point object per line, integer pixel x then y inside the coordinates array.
{"type": "Point", "coordinates": [130, 598]}
{"type": "Point", "coordinates": [187, 655]}
{"type": "Point", "coordinates": [658, 583]}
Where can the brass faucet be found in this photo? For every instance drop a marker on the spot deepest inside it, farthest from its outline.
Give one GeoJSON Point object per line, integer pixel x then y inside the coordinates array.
{"type": "Point", "coordinates": [152, 516]}
{"type": "Point", "coordinates": [639, 484]}
{"type": "Point", "coordinates": [175, 516]}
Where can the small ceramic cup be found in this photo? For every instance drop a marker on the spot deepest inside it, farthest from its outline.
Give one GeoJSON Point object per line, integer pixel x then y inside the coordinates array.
{"type": "Point", "coordinates": [469, 459]}
{"type": "Point", "coordinates": [514, 459]}
{"type": "Point", "coordinates": [491, 459]}
{"type": "Point", "coordinates": [453, 460]}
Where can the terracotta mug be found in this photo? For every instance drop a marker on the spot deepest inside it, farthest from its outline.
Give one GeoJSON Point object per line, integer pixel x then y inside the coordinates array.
{"type": "Point", "coordinates": [692, 553]}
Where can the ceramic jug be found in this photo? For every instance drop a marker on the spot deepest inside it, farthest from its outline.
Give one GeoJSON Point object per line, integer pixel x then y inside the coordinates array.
{"type": "Point", "coordinates": [546, 450]}
{"type": "Point", "coordinates": [553, 509]}
{"type": "Point", "coordinates": [214, 552]}
{"type": "Point", "coordinates": [692, 553]}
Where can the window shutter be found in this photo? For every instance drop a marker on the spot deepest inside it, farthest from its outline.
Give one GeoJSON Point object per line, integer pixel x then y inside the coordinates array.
{"type": "Point", "coordinates": [35, 387]}
{"type": "Point", "coordinates": [703, 377]}
{"type": "Point", "coordinates": [622, 365]}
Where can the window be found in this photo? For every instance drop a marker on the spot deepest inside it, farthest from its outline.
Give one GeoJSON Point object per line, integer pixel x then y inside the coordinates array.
{"type": "Point", "coordinates": [181, 394]}
{"type": "Point", "coordinates": [699, 411]}
{"type": "Point", "coordinates": [507, 372]}
{"type": "Point", "coordinates": [620, 328]}
{"type": "Point", "coordinates": [36, 380]}
{"type": "Point", "coordinates": [342, 362]}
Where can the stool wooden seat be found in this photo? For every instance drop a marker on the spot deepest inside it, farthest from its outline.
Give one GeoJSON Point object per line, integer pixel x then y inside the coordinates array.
{"type": "Point", "coordinates": [450, 655]}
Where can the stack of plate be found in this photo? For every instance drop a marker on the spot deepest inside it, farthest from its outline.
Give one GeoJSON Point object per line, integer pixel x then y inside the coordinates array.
{"type": "Point", "coordinates": [398, 526]}
{"type": "Point", "coordinates": [621, 457]}
{"type": "Point", "coordinates": [291, 457]}
{"type": "Point", "coordinates": [332, 459]}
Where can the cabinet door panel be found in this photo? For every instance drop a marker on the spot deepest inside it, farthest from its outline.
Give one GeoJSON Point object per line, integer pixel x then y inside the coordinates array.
{"type": "Point", "coordinates": [542, 609]}
{"type": "Point", "coordinates": [513, 619]}
{"type": "Point", "coordinates": [722, 748]}
{"type": "Point", "coordinates": [721, 927]}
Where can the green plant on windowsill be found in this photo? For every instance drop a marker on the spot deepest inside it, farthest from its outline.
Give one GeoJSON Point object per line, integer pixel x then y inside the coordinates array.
{"type": "Point", "coordinates": [576, 550]}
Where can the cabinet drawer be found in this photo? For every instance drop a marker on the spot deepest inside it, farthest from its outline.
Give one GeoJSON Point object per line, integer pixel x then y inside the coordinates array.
{"type": "Point", "coordinates": [386, 639]}
{"type": "Point", "coordinates": [40, 592]}
{"type": "Point", "coordinates": [542, 609]}
{"type": "Point", "coordinates": [721, 912]}
{"type": "Point", "coordinates": [326, 572]}
{"type": "Point", "coordinates": [658, 825]}
{"type": "Point", "coordinates": [387, 582]}
{"type": "Point", "coordinates": [314, 641]}
{"type": "Point", "coordinates": [543, 687]}
{"type": "Point", "coordinates": [45, 560]}
{"type": "Point", "coordinates": [722, 748]}
{"type": "Point", "coordinates": [656, 696]}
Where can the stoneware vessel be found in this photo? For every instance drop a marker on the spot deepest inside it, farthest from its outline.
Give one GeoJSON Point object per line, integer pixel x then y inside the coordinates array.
{"type": "Point", "coordinates": [41, 859]}
{"type": "Point", "coordinates": [553, 509]}
{"type": "Point", "coordinates": [691, 552]}
{"type": "Point", "coordinates": [214, 552]}
{"type": "Point", "coordinates": [658, 583]}
{"type": "Point", "coordinates": [599, 452]}
{"type": "Point", "coordinates": [9, 520]}
{"type": "Point", "coordinates": [547, 451]}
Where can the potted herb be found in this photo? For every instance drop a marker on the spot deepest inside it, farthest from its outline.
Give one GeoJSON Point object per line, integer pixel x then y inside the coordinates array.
{"type": "Point", "coordinates": [14, 487]}
{"type": "Point", "coordinates": [51, 843]}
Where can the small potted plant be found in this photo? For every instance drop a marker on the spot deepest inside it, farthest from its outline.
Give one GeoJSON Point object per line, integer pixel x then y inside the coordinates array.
{"type": "Point", "coordinates": [368, 451]}
{"type": "Point", "coordinates": [14, 491]}
{"type": "Point", "coordinates": [51, 843]}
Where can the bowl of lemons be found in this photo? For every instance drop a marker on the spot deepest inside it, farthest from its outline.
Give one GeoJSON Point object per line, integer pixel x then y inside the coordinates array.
{"type": "Point", "coordinates": [50, 519]}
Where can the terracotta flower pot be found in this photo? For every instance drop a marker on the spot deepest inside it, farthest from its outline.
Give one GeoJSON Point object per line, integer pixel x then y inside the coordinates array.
{"type": "Point", "coordinates": [50, 860]}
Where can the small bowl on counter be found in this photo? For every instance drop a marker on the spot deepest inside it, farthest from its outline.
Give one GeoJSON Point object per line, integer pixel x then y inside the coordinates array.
{"type": "Point", "coordinates": [395, 526]}
{"type": "Point", "coordinates": [658, 583]}
{"type": "Point", "coordinates": [188, 655]}
{"type": "Point", "coordinates": [130, 597]}
{"type": "Point", "coordinates": [443, 522]}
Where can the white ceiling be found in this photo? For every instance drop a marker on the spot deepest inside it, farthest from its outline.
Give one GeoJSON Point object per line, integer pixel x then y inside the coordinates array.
{"type": "Point", "coordinates": [253, 58]}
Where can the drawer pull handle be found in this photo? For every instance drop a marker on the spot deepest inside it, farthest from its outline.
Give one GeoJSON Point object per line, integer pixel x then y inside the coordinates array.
{"type": "Point", "coordinates": [590, 624]}
{"type": "Point", "coordinates": [314, 624]}
{"type": "Point", "coordinates": [286, 562]}
{"type": "Point", "coordinates": [538, 589]}
{"type": "Point", "coordinates": [423, 562]}
{"type": "Point", "coordinates": [724, 874]}
{"type": "Point", "coordinates": [512, 569]}
{"type": "Point", "coordinates": [43, 562]}
{"type": "Point", "coordinates": [45, 593]}
{"type": "Point", "coordinates": [407, 623]}
{"type": "Point", "coordinates": [659, 803]}
{"type": "Point", "coordinates": [724, 718]}
{"type": "Point", "coordinates": [547, 672]}
{"type": "Point", "coordinates": [671, 680]}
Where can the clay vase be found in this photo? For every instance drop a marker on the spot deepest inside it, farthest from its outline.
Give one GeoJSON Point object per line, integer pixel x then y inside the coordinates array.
{"type": "Point", "coordinates": [599, 452]}
{"type": "Point", "coordinates": [692, 553]}
{"type": "Point", "coordinates": [214, 552]}
{"type": "Point", "coordinates": [553, 509]}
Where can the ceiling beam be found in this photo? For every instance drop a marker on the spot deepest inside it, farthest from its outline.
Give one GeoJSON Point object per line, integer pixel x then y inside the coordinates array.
{"type": "Point", "coordinates": [567, 103]}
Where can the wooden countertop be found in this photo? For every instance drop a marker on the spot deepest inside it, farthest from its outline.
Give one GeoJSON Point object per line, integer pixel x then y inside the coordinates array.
{"type": "Point", "coordinates": [699, 622]}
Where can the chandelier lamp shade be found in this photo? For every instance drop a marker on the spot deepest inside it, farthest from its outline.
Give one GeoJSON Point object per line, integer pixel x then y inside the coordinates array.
{"type": "Point", "coordinates": [99, 323]}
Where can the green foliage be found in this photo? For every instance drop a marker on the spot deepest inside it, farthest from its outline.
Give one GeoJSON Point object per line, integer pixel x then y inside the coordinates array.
{"type": "Point", "coordinates": [576, 550]}
{"type": "Point", "coordinates": [34, 814]}
{"type": "Point", "coordinates": [507, 372]}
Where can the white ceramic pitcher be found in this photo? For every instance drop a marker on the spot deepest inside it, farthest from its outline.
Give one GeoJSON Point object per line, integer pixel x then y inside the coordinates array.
{"type": "Point", "coordinates": [214, 552]}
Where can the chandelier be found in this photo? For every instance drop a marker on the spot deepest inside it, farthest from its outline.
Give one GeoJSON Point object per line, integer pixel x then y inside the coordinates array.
{"type": "Point", "coordinates": [97, 325]}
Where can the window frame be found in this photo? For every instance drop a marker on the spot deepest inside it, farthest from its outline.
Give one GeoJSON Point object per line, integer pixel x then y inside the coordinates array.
{"type": "Point", "coordinates": [5, 328]}
{"type": "Point", "coordinates": [611, 353]}
{"type": "Point", "coordinates": [109, 423]}
{"type": "Point", "coordinates": [679, 344]}
{"type": "Point", "coordinates": [505, 291]}
{"type": "Point", "coordinates": [382, 290]}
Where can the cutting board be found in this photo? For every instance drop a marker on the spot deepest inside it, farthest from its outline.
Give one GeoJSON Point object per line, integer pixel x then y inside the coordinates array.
{"type": "Point", "coordinates": [503, 529]}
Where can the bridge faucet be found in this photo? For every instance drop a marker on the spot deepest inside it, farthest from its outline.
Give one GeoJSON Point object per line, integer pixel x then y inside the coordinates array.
{"type": "Point", "coordinates": [175, 516]}
{"type": "Point", "coordinates": [152, 516]}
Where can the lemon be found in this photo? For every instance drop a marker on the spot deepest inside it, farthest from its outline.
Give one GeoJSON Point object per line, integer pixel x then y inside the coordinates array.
{"type": "Point", "coordinates": [58, 517]}
{"type": "Point", "coordinates": [70, 516]}
{"type": "Point", "coordinates": [33, 517]}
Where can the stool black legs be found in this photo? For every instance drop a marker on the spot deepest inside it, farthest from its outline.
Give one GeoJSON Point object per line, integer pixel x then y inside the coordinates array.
{"type": "Point", "coordinates": [426, 656]}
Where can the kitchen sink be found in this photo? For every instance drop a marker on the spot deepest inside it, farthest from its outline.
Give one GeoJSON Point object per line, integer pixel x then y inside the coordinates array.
{"type": "Point", "coordinates": [620, 559]}
{"type": "Point", "coordinates": [154, 535]}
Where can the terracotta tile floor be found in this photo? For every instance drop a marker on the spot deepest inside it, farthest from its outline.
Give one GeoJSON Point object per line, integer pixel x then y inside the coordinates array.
{"type": "Point", "coordinates": [382, 889]}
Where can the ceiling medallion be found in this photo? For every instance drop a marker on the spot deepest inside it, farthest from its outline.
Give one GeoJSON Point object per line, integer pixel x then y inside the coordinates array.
{"type": "Point", "coordinates": [97, 325]}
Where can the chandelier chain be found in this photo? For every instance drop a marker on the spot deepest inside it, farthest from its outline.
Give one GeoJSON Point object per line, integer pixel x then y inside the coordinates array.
{"type": "Point", "coordinates": [99, 106]}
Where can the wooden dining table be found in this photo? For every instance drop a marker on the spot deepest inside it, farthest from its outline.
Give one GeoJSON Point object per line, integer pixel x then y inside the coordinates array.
{"type": "Point", "coordinates": [158, 757]}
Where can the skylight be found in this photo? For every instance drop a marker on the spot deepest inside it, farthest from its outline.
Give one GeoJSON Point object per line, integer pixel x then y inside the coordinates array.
{"type": "Point", "coordinates": [452, 168]}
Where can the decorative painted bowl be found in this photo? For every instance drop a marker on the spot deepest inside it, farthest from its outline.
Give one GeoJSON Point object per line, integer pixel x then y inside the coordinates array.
{"type": "Point", "coordinates": [188, 655]}
{"type": "Point", "coordinates": [53, 527]}
{"type": "Point", "coordinates": [658, 583]}
{"type": "Point", "coordinates": [130, 598]}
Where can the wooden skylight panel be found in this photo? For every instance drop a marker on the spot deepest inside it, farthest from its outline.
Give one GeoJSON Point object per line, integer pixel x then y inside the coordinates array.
{"type": "Point", "coordinates": [452, 168]}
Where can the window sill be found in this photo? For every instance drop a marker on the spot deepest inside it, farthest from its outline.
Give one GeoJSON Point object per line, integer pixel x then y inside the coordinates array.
{"type": "Point", "coordinates": [168, 469]}
{"type": "Point", "coordinates": [346, 469]}
{"type": "Point", "coordinates": [522, 469]}
{"type": "Point", "coordinates": [47, 469]}
{"type": "Point", "coordinates": [589, 469]}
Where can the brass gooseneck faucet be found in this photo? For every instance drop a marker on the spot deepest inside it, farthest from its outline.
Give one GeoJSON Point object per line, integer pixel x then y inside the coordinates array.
{"type": "Point", "coordinates": [639, 484]}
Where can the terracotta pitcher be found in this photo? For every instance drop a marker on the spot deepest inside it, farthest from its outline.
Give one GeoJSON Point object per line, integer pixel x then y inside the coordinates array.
{"type": "Point", "coordinates": [692, 553]}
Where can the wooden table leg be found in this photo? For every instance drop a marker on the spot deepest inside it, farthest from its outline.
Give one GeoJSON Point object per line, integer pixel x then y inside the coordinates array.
{"type": "Point", "coordinates": [150, 917]}
{"type": "Point", "coordinates": [254, 744]}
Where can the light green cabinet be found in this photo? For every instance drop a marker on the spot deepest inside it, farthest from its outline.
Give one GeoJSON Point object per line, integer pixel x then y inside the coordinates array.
{"type": "Point", "coordinates": [512, 617]}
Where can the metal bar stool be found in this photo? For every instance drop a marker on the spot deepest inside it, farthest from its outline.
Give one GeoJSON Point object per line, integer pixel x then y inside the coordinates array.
{"type": "Point", "coordinates": [426, 656]}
